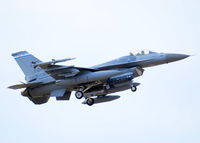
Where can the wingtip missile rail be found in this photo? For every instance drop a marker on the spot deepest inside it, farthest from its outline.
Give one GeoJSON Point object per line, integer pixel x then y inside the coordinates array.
{"type": "Point", "coordinates": [53, 62]}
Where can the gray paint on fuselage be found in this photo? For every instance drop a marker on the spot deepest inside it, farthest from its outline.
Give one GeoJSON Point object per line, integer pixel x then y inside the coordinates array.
{"type": "Point", "coordinates": [143, 61]}
{"type": "Point", "coordinates": [59, 81]}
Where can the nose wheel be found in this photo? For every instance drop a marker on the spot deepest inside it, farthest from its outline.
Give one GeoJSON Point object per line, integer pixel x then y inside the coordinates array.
{"type": "Point", "coordinates": [133, 88]}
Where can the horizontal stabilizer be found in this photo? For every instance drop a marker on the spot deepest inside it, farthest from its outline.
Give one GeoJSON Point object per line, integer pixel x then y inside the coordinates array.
{"type": "Point", "coordinates": [18, 86]}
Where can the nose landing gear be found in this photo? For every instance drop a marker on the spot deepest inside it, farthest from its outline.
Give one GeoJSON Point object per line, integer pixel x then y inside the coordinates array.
{"type": "Point", "coordinates": [133, 88]}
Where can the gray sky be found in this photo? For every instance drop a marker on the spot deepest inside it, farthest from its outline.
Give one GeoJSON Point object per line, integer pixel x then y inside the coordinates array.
{"type": "Point", "coordinates": [164, 109]}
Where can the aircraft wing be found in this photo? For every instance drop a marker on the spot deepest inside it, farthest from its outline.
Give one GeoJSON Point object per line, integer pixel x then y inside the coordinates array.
{"type": "Point", "coordinates": [62, 67]}
{"type": "Point", "coordinates": [60, 71]}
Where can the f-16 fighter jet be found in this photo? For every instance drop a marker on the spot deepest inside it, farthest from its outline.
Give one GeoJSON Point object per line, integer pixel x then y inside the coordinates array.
{"type": "Point", "coordinates": [47, 79]}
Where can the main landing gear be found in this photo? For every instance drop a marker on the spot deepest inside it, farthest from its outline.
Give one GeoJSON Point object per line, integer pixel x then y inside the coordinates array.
{"type": "Point", "coordinates": [89, 101]}
{"type": "Point", "coordinates": [79, 94]}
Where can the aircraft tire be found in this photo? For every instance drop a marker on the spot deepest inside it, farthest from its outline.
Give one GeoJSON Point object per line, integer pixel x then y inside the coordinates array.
{"type": "Point", "coordinates": [90, 101]}
{"type": "Point", "coordinates": [133, 88]}
{"type": "Point", "coordinates": [79, 94]}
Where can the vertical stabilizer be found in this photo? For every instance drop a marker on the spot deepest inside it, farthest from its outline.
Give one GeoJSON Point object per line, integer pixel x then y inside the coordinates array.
{"type": "Point", "coordinates": [26, 61]}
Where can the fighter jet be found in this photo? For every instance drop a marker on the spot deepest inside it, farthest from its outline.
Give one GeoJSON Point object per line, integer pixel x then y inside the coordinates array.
{"type": "Point", "coordinates": [94, 84]}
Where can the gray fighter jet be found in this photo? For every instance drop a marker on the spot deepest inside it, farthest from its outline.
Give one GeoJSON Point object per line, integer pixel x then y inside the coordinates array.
{"type": "Point", "coordinates": [46, 79]}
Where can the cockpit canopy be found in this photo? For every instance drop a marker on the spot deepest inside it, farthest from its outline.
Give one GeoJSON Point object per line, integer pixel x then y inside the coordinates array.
{"type": "Point", "coordinates": [143, 52]}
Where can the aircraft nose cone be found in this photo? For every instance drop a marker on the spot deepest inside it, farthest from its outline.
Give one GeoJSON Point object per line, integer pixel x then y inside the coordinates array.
{"type": "Point", "coordinates": [175, 57]}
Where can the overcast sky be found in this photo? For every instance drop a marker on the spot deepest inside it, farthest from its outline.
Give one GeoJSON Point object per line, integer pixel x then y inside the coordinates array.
{"type": "Point", "coordinates": [166, 107]}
